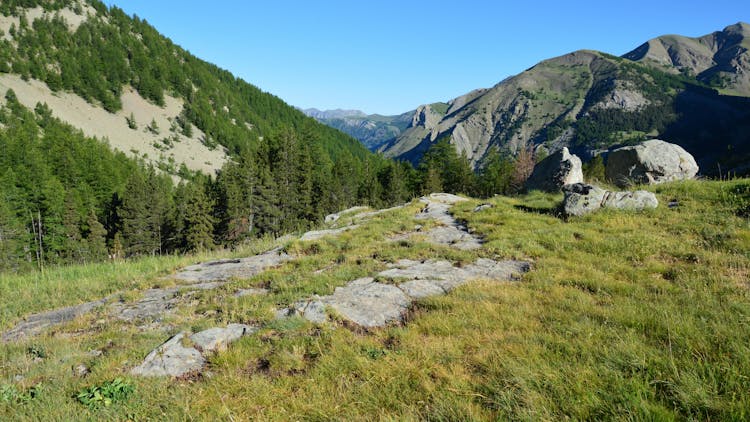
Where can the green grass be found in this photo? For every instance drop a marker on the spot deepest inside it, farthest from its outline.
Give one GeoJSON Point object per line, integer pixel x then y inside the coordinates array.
{"type": "Point", "coordinates": [624, 316]}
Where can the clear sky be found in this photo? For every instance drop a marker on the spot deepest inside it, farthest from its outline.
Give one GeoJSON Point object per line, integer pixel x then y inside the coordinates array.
{"type": "Point", "coordinates": [388, 56]}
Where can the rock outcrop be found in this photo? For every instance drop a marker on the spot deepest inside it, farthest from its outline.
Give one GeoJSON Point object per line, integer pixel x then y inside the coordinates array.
{"type": "Point", "coordinates": [369, 303]}
{"type": "Point", "coordinates": [650, 162]}
{"type": "Point", "coordinates": [581, 199]}
{"type": "Point", "coordinates": [175, 359]}
{"type": "Point", "coordinates": [559, 169]}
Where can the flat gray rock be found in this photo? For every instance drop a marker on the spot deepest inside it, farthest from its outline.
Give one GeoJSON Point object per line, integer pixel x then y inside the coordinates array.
{"type": "Point", "coordinates": [226, 269]}
{"type": "Point", "coordinates": [171, 359]}
{"type": "Point", "coordinates": [370, 304]}
{"type": "Point", "coordinates": [319, 234]}
{"type": "Point", "coordinates": [364, 302]}
{"type": "Point", "coordinates": [450, 233]}
{"type": "Point", "coordinates": [419, 289]}
{"type": "Point", "coordinates": [219, 338]}
{"type": "Point", "coordinates": [455, 237]}
{"type": "Point", "coordinates": [36, 323]}
{"type": "Point", "coordinates": [332, 218]}
{"type": "Point", "coordinates": [155, 303]}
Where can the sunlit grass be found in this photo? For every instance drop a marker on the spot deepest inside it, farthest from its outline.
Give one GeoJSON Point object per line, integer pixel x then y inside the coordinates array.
{"type": "Point", "coordinates": [624, 316]}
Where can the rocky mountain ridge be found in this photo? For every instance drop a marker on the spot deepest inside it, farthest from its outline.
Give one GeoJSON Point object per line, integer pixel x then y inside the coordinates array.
{"type": "Point", "coordinates": [690, 91]}
{"type": "Point", "coordinates": [372, 130]}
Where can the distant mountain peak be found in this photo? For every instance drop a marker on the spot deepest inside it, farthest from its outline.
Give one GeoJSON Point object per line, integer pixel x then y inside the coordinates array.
{"type": "Point", "coordinates": [333, 114]}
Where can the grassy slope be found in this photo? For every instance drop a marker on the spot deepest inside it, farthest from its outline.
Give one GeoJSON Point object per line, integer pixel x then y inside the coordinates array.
{"type": "Point", "coordinates": [625, 316]}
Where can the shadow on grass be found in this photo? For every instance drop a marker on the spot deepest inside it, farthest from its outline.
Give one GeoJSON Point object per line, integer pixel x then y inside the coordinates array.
{"type": "Point", "coordinates": [556, 211]}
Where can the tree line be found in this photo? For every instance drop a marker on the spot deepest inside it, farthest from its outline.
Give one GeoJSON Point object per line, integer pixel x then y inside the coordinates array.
{"type": "Point", "coordinates": [66, 198]}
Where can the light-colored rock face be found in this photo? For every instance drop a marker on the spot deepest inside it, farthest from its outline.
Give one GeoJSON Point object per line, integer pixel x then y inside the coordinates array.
{"type": "Point", "coordinates": [650, 162]}
{"type": "Point", "coordinates": [581, 199]}
{"type": "Point", "coordinates": [559, 169]}
{"type": "Point", "coordinates": [624, 97]}
{"type": "Point", "coordinates": [508, 115]}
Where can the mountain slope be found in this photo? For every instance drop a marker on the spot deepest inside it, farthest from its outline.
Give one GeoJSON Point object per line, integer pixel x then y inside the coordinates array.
{"type": "Point", "coordinates": [372, 130]}
{"type": "Point", "coordinates": [122, 65]}
{"type": "Point", "coordinates": [98, 110]}
{"type": "Point", "coordinates": [720, 59]}
{"type": "Point", "coordinates": [589, 100]}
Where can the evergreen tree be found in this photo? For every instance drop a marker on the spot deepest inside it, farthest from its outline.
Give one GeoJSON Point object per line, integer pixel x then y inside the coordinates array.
{"type": "Point", "coordinates": [593, 171]}
{"type": "Point", "coordinates": [12, 238]}
{"type": "Point", "coordinates": [96, 238]}
{"type": "Point", "coordinates": [496, 175]}
{"type": "Point", "coordinates": [199, 223]}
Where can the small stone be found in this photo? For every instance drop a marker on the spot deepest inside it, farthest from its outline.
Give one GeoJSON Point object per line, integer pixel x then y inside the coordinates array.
{"type": "Point", "coordinates": [581, 199]}
{"type": "Point", "coordinates": [18, 378]}
{"type": "Point", "coordinates": [95, 353]}
{"type": "Point", "coordinates": [482, 207]}
{"type": "Point", "coordinates": [282, 313]}
{"type": "Point", "coordinates": [81, 371]}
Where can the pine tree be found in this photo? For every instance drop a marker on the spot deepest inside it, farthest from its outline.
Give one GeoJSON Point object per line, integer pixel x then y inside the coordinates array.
{"type": "Point", "coordinates": [142, 215]}
{"type": "Point", "coordinates": [12, 238]}
{"type": "Point", "coordinates": [496, 175]}
{"type": "Point", "coordinates": [96, 238]}
{"type": "Point", "coordinates": [199, 223]}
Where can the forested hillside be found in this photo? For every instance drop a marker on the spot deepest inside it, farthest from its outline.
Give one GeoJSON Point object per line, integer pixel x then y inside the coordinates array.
{"type": "Point", "coordinates": [69, 198]}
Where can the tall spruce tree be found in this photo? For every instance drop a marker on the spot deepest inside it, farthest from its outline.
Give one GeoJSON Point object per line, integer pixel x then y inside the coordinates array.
{"type": "Point", "coordinates": [199, 222]}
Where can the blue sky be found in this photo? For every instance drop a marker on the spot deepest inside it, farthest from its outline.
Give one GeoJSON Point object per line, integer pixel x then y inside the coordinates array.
{"type": "Point", "coordinates": [389, 56]}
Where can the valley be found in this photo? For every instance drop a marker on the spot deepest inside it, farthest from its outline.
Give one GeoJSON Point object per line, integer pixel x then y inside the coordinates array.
{"type": "Point", "coordinates": [572, 243]}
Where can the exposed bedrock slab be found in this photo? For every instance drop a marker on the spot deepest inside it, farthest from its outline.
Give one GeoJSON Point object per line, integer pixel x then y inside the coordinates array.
{"type": "Point", "coordinates": [171, 359]}
{"type": "Point", "coordinates": [35, 324]}
{"type": "Point", "coordinates": [174, 359]}
{"type": "Point", "coordinates": [369, 303]}
{"type": "Point", "coordinates": [363, 301]}
{"type": "Point", "coordinates": [451, 232]}
{"type": "Point", "coordinates": [219, 338]}
{"type": "Point", "coordinates": [319, 234]}
{"type": "Point", "coordinates": [226, 269]}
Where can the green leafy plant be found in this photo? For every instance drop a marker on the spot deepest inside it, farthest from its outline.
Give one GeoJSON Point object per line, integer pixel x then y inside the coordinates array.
{"type": "Point", "coordinates": [105, 394]}
{"type": "Point", "coordinates": [11, 394]}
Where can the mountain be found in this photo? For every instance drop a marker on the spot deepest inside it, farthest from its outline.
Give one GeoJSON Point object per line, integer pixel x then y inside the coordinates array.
{"type": "Point", "coordinates": [373, 130]}
{"type": "Point", "coordinates": [112, 76]}
{"type": "Point", "coordinates": [332, 114]}
{"type": "Point", "coordinates": [720, 59]}
{"type": "Point", "coordinates": [116, 142]}
{"type": "Point", "coordinates": [691, 91]}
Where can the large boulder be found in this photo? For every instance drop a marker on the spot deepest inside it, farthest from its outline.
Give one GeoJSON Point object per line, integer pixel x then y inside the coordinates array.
{"type": "Point", "coordinates": [650, 162]}
{"type": "Point", "coordinates": [559, 169]}
{"type": "Point", "coordinates": [581, 199]}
